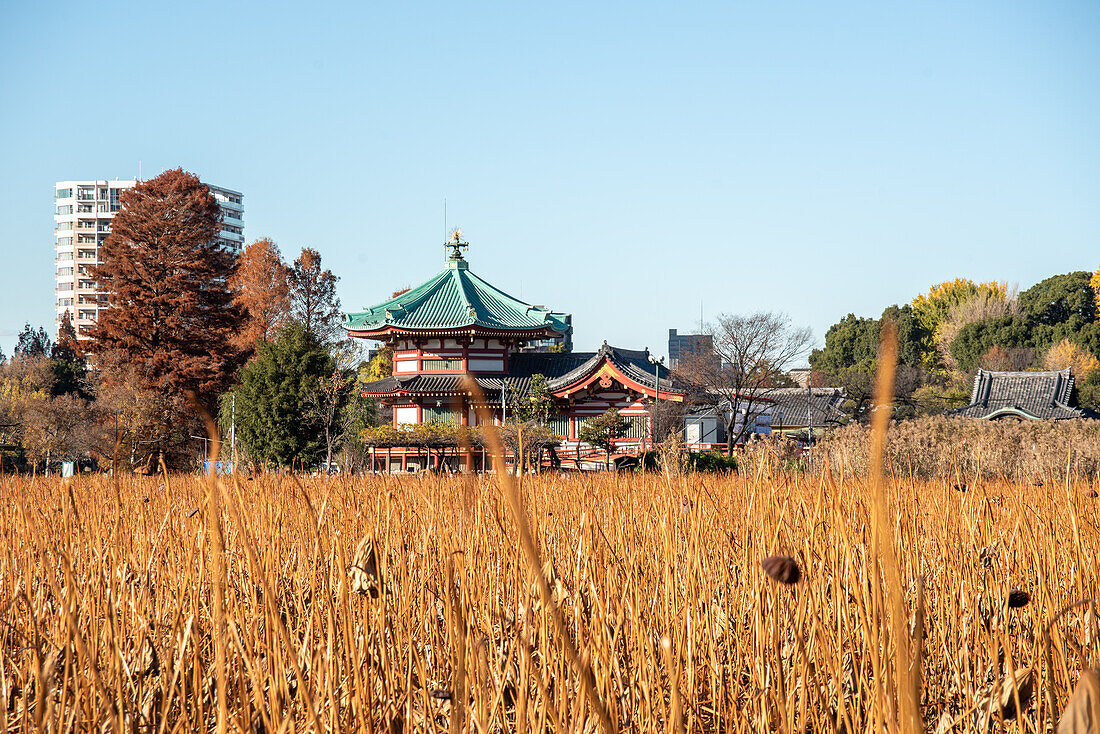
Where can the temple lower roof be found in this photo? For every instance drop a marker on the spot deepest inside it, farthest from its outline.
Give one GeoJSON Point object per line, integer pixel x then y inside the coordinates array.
{"type": "Point", "coordinates": [561, 370]}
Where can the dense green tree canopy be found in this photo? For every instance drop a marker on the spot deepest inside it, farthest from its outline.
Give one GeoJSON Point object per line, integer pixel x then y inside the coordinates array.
{"type": "Point", "coordinates": [852, 342]}
{"type": "Point", "coordinates": [1060, 299]}
{"type": "Point", "coordinates": [976, 339]}
{"type": "Point", "coordinates": [274, 422]}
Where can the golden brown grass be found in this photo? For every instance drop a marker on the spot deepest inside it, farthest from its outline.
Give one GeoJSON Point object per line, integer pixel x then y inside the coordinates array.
{"type": "Point", "coordinates": [109, 602]}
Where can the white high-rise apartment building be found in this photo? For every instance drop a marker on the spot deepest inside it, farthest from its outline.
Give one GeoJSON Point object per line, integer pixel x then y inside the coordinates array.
{"type": "Point", "coordinates": [82, 215]}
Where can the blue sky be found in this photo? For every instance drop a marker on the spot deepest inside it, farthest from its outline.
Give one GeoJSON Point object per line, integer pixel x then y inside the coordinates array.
{"type": "Point", "coordinates": [631, 163]}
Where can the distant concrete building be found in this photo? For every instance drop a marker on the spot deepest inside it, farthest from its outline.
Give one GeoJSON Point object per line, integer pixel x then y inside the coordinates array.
{"type": "Point", "coordinates": [681, 346]}
{"type": "Point", "coordinates": [83, 211]}
{"type": "Point", "coordinates": [800, 375]}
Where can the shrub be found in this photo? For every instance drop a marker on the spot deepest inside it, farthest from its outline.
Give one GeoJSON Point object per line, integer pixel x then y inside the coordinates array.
{"type": "Point", "coordinates": [961, 447]}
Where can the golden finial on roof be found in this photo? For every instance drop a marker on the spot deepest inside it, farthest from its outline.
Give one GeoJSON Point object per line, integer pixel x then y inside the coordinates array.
{"type": "Point", "coordinates": [456, 243]}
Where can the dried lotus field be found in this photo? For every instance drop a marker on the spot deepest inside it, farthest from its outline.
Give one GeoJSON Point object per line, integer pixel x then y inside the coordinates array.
{"type": "Point", "coordinates": [399, 604]}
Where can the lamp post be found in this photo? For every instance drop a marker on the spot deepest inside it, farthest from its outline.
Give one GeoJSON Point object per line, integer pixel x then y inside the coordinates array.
{"type": "Point", "coordinates": [656, 394]}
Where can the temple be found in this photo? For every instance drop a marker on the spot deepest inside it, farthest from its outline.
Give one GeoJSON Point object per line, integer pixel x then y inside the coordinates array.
{"type": "Point", "coordinates": [456, 329]}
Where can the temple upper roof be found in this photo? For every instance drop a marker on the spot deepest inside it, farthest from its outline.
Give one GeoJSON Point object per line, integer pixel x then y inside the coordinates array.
{"type": "Point", "coordinates": [456, 301]}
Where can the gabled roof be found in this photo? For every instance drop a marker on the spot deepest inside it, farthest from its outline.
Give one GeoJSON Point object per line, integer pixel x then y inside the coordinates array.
{"type": "Point", "coordinates": [1032, 395]}
{"type": "Point", "coordinates": [632, 364]}
{"type": "Point", "coordinates": [792, 403]}
{"type": "Point", "coordinates": [564, 373]}
{"type": "Point", "coordinates": [455, 301]}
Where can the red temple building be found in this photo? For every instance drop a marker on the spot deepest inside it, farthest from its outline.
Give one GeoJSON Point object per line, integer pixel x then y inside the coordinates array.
{"type": "Point", "coordinates": [457, 326]}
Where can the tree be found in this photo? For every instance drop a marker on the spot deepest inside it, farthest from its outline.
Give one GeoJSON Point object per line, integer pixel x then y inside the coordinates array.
{"type": "Point", "coordinates": [983, 305]}
{"type": "Point", "coordinates": [70, 369]}
{"type": "Point", "coordinates": [602, 431]}
{"type": "Point", "coordinates": [55, 427]}
{"type": "Point", "coordinates": [1094, 281]}
{"type": "Point", "coordinates": [528, 412]}
{"type": "Point", "coordinates": [130, 413]}
{"type": "Point", "coordinates": [261, 289]}
{"type": "Point", "coordinates": [851, 341]}
{"type": "Point", "coordinates": [1061, 299]}
{"type": "Point", "coordinates": [33, 342]}
{"type": "Point", "coordinates": [45, 425]}
{"type": "Point", "coordinates": [1067, 354]}
{"type": "Point", "coordinates": [326, 406]}
{"type": "Point", "coordinates": [1088, 392]}
{"type": "Point", "coordinates": [911, 335]}
{"type": "Point", "coordinates": [171, 311]}
{"type": "Point", "coordinates": [1002, 359]}
{"type": "Point", "coordinates": [534, 405]}
{"type": "Point", "coordinates": [359, 414]}
{"type": "Point", "coordinates": [975, 339]}
{"type": "Point", "coordinates": [380, 365]}
{"type": "Point", "coordinates": [313, 300]}
{"type": "Point", "coordinates": [932, 309]}
{"type": "Point", "coordinates": [751, 355]}
{"type": "Point", "coordinates": [274, 423]}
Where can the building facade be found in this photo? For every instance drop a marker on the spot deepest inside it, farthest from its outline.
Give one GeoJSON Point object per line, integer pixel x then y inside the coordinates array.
{"type": "Point", "coordinates": [83, 211]}
{"type": "Point", "coordinates": [458, 347]}
{"type": "Point", "coordinates": [685, 346]}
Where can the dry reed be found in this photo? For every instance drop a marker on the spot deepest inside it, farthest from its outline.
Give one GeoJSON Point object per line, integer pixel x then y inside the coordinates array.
{"type": "Point", "coordinates": [664, 599]}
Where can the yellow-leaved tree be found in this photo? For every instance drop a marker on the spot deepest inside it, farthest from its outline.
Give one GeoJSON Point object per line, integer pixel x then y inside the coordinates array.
{"type": "Point", "coordinates": [1067, 354]}
{"type": "Point", "coordinates": [933, 309]}
{"type": "Point", "coordinates": [1095, 283]}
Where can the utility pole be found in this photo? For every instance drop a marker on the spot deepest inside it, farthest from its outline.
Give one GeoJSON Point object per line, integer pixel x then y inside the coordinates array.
{"type": "Point", "coordinates": [809, 418]}
{"type": "Point", "coordinates": [233, 429]}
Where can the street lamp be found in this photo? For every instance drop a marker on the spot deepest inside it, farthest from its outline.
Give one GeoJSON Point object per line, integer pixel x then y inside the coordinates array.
{"type": "Point", "coordinates": [656, 393]}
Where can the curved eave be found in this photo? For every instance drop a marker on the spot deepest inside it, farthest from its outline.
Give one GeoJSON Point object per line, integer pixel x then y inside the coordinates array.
{"type": "Point", "coordinates": [410, 393]}
{"type": "Point", "coordinates": [606, 367]}
{"type": "Point", "coordinates": [1013, 411]}
{"type": "Point", "coordinates": [471, 330]}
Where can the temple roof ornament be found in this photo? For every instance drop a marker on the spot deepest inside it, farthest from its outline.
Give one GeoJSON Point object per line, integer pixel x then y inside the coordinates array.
{"type": "Point", "coordinates": [456, 301]}
{"type": "Point", "coordinates": [456, 245]}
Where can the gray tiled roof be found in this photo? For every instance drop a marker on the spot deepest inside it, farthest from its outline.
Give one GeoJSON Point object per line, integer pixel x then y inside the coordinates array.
{"type": "Point", "coordinates": [559, 370]}
{"type": "Point", "coordinates": [1036, 395]}
{"type": "Point", "coordinates": [791, 403]}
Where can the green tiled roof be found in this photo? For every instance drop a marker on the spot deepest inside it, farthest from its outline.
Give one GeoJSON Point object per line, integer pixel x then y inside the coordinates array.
{"type": "Point", "coordinates": [456, 299]}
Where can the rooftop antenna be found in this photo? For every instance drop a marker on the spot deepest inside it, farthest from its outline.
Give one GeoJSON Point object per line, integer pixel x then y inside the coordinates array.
{"type": "Point", "coordinates": [139, 170]}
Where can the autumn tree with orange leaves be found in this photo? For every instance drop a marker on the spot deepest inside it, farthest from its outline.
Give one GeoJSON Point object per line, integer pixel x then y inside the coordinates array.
{"type": "Point", "coordinates": [261, 289]}
{"type": "Point", "coordinates": [313, 300]}
{"type": "Point", "coordinates": [171, 316]}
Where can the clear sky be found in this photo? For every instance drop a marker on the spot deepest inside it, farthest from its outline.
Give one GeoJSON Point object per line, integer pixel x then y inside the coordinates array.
{"type": "Point", "coordinates": [632, 163]}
